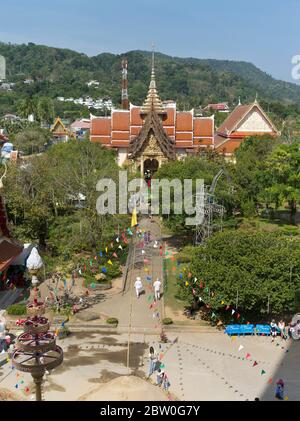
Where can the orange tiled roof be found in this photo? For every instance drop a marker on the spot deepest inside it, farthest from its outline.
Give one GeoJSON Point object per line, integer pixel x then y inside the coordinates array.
{"type": "Point", "coordinates": [120, 120]}
{"type": "Point", "coordinates": [184, 121]}
{"type": "Point", "coordinates": [101, 126]}
{"type": "Point", "coordinates": [203, 127]}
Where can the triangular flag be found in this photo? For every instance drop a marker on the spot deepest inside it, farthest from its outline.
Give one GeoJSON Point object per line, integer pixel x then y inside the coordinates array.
{"type": "Point", "coordinates": [115, 255]}
{"type": "Point", "coordinates": [232, 313]}
{"type": "Point", "coordinates": [106, 250]}
{"type": "Point", "coordinates": [104, 270]}
{"type": "Point", "coordinates": [262, 372]}
{"type": "Point", "coordinates": [110, 262]}
{"type": "Point", "coordinates": [254, 364]}
{"type": "Point", "coordinates": [270, 381]}
{"type": "Point", "coordinates": [186, 284]}
{"type": "Point", "coordinates": [241, 347]}
{"type": "Point", "coordinates": [120, 247]}
{"type": "Point", "coordinates": [248, 355]}
{"type": "Point", "coordinates": [117, 239]}
{"type": "Point", "coordinates": [222, 302]}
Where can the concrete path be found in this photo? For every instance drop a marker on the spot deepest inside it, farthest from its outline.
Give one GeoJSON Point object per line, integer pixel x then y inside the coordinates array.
{"type": "Point", "coordinates": [126, 307]}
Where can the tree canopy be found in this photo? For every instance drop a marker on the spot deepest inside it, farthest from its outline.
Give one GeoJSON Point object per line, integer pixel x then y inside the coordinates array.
{"type": "Point", "coordinates": [249, 271]}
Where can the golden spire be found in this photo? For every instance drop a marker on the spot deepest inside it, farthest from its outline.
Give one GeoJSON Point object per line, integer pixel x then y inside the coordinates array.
{"type": "Point", "coordinates": [153, 101]}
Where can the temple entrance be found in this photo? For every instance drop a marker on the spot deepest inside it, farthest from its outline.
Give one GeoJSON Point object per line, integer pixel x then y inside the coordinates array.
{"type": "Point", "coordinates": [150, 168]}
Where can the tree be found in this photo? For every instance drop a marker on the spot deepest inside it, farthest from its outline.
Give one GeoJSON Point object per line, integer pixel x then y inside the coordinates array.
{"type": "Point", "coordinates": [247, 271]}
{"type": "Point", "coordinates": [202, 167]}
{"type": "Point", "coordinates": [45, 110]}
{"type": "Point", "coordinates": [27, 107]}
{"type": "Point", "coordinates": [250, 165]}
{"type": "Point", "coordinates": [42, 193]}
{"type": "Point", "coordinates": [282, 176]}
{"type": "Point", "coordinates": [32, 140]}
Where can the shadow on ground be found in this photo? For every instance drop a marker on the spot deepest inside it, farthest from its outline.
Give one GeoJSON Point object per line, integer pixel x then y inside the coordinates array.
{"type": "Point", "coordinates": [289, 371]}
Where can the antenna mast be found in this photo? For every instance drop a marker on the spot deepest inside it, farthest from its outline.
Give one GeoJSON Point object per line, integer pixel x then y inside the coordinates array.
{"type": "Point", "coordinates": [125, 100]}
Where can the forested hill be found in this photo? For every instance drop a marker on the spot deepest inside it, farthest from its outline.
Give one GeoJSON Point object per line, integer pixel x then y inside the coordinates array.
{"type": "Point", "coordinates": [189, 81]}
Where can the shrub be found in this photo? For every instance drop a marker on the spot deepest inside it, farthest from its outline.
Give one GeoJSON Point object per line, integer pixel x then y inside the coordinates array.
{"type": "Point", "coordinates": [112, 321]}
{"type": "Point", "coordinates": [167, 321]}
{"type": "Point", "coordinates": [17, 309]}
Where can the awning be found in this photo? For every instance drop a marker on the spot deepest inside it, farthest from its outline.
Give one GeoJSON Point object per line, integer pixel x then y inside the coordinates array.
{"type": "Point", "coordinates": [8, 252]}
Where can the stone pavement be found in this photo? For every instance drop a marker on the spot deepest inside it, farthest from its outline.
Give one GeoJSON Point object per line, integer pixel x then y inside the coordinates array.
{"type": "Point", "coordinates": [126, 307]}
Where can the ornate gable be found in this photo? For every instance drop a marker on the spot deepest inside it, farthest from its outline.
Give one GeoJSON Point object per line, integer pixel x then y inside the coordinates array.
{"type": "Point", "coordinates": [152, 138]}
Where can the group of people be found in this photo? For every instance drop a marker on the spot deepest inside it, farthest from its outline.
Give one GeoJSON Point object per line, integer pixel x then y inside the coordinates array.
{"type": "Point", "coordinates": [155, 366]}
{"type": "Point", "coordinates": [138, 285]}
{"type": "Point", "coordinates": [284, 331]}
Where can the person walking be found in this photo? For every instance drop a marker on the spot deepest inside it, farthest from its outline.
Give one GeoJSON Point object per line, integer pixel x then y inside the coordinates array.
{"type": "Point", "coordinates": [160, 377]}
{"type": "Point", "coordinates": [166, 383]}
{"type": "Point", "coordinates": [153, 358]}
{"type": "Point", "coordinates": [138, 286]}
{"type": "Point", "coordinates": [279, 391]}
{"type": "Point", "coordinates": [157, 285]}
{"type": "Point", "coordinates": [281, 326]}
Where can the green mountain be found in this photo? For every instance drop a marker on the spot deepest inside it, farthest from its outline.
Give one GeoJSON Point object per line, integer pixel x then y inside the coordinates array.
{"type": "Point", "coordinates": [191, 82]}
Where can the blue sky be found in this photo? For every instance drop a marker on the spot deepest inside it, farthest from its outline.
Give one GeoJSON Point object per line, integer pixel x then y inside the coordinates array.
{"type": "Point", "coordinates": [264, 32]}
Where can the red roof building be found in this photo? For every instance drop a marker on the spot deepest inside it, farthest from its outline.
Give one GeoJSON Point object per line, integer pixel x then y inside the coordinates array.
{"type": "Point", "coordinates": [134, 132]}
{"type": "Point", "coordinates": [221, 106]}
{"type": "Point", "coordinates": [244, 121]}
{"type": "Point", "coordinates": [121, 131]}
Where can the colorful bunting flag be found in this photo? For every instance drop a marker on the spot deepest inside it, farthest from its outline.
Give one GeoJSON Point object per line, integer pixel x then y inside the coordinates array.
{"type": "Point", "coordinates": [254, 364]}
{"type": "Point", "coordinates": [262, 372]}
{"type": "Point", "coordinates": [110, 262]}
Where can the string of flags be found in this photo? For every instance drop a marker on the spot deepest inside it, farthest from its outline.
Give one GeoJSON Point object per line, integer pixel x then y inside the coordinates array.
{"type": "Point", "coordinates": [189, 283]}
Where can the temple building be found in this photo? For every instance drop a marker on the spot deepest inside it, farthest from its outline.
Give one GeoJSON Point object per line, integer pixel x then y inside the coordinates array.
{"type": "Point", "coordinates": [153, 133]}
{"type": "Point", "coordinates": [244, 121]}
{"type": "Point", "coordinates": [148, 135]}
{"type": "Point", "coordinates": [60, 132]}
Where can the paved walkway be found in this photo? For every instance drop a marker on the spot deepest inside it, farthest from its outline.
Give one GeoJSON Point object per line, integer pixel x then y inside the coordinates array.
{"type": "Point", "coordinates": [126, 307]}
